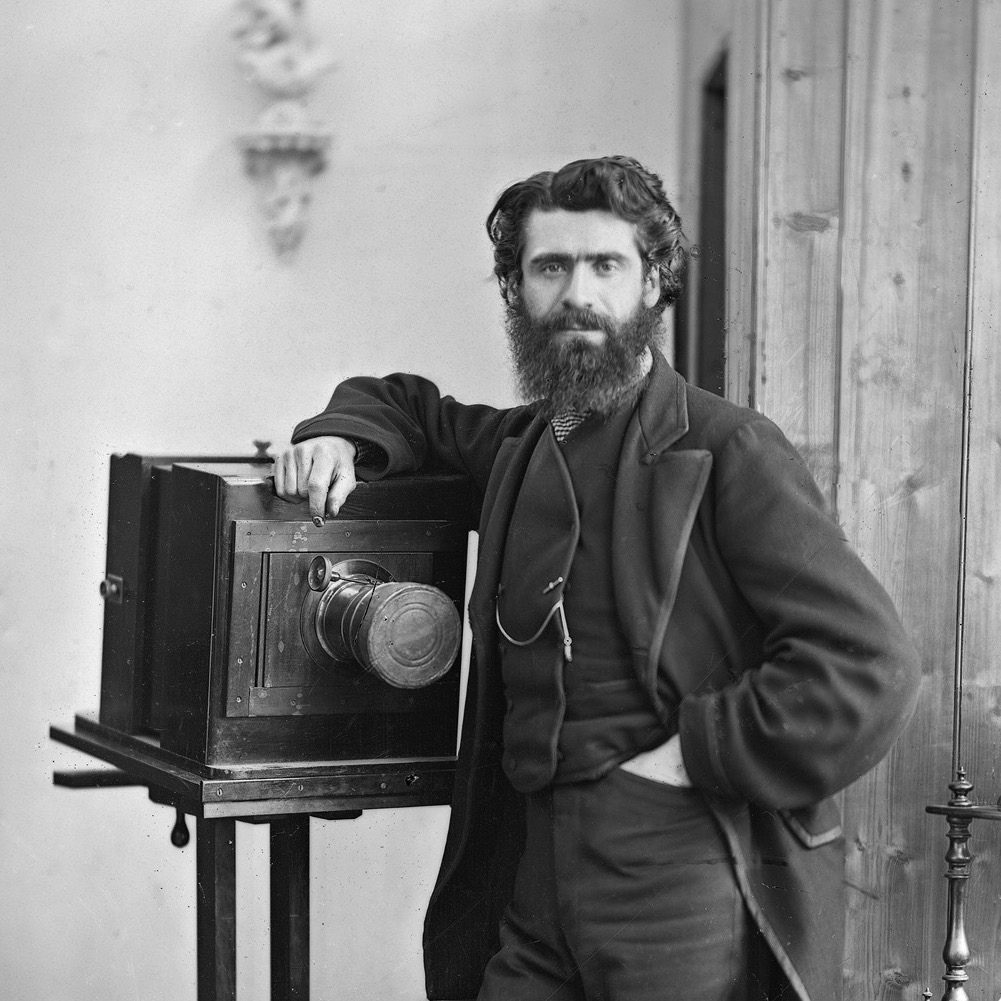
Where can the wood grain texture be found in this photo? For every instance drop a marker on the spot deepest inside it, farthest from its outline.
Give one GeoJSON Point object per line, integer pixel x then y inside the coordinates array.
{"type": "Point", "coordinates": [980, 644]}
{"type": "Point", "coordinates": [795, 364]}
{"type": "Point", "coordinates": [215, 862]}
{"type": "Point", "coordinates": [982, 647]}
{"type": "Point", "coordinates": [745, 172]}
{"type": "Point", "coordinates": [714, 28]}
{"type": "Point", "coordinates": [904, 278]}
{"type": "Point", "coordinates": [289, 839]}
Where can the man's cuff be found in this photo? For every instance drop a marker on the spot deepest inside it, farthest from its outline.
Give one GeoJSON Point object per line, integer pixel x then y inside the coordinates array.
{"type": "Point", "coordinates": [366, 453]}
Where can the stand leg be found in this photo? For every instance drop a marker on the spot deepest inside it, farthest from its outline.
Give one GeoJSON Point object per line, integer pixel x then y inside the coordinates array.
{"type": "Point", "coordinates": [216, 867]}
{"type": "Point", "coordinates": [290, 908]}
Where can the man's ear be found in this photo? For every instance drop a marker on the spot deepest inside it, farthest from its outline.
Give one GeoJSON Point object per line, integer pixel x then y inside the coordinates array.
{"type": "Point", "coordinates": [651, 286]}
{"type": "Point", "coordinates": [511, 290]}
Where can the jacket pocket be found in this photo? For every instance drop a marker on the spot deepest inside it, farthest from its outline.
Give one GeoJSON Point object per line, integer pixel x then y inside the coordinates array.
{"type": "Point", "coordinates": [813, 826]}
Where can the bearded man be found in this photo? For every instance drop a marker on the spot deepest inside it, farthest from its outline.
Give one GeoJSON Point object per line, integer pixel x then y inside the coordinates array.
{"type": "Point", "coordinates": [678, 659]}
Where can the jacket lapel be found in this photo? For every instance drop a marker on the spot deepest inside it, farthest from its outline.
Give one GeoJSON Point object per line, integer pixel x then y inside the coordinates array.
{"type": "Point", "coordinates": [498, 507]}
{"type": "Point", "coordinates": [658, 491]}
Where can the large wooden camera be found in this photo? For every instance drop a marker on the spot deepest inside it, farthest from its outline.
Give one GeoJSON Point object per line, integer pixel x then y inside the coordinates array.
{"type": "Point", "coordinates": [258, 667]}
{"type": "Point", "coordinates": [239, 634]}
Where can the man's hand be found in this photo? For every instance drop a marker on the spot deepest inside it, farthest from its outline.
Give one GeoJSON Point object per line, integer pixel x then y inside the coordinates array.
{"type": "Point", "coordinates": [322, 469]}
{"type": "Point", "coordinates": [662, 764]}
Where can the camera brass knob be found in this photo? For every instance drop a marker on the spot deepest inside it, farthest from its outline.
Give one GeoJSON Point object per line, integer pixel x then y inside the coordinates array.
{"type": "Point", "coordinates": [320, 572]}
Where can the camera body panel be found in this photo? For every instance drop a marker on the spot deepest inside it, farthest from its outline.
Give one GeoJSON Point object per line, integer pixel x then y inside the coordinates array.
{"type": "Point", "coordinates": [207, 643]}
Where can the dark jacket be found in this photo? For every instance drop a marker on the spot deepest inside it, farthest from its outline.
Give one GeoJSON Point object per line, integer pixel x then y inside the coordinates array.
{"type": "Point", "coordinates": [743, 605]}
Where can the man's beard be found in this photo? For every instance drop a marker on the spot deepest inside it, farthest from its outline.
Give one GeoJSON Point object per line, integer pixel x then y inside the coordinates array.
{"type": "Point", "coordinates": [570, 373]}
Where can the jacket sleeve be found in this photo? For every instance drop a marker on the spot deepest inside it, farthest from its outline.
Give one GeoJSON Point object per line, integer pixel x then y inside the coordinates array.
{"type": "Point", "coordinates": [412, 426]}
{"type": "Point", "coordinates": [838, 678]}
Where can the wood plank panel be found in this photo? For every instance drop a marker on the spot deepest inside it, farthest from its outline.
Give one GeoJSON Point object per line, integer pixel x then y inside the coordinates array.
{"type": "Point", "coordinates": [981, 591]}
{"type": "Point", "coordinates": [745, 171]}
{"type": "Point", "coordinates": [705, 31]}
{"type": "Point", "coordinates": [795, 369]}
{"type": "Point", "coordinates": [904, 277]}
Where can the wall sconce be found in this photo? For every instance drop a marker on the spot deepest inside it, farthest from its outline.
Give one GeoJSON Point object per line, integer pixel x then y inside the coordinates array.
{"type": "Point", "coordinates": [286, 148]}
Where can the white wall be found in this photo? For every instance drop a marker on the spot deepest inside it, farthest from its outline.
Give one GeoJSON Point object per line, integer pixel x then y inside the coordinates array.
{"type": "Point", "coordinates": [143, 310]}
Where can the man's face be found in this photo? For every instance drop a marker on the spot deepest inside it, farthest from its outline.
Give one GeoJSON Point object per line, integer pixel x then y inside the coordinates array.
{"type": "Point", "coordinates": [583, 261]}
{"type": "Point", "coordinates": [584, 312]}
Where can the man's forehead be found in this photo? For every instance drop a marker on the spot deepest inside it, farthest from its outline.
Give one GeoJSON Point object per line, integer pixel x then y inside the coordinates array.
{"type": "Point", "coordinates": [594, 231]}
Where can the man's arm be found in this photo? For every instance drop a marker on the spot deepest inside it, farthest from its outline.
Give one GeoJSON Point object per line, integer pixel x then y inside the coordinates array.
{"type": "Point", "coordinates": [839, 678]}
{"type": "Point", "coordinates": [404, 424]}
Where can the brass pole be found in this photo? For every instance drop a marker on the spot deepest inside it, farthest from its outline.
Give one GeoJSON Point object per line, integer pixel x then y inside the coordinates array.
{"type": "Point", "coordinates": [956, 953]}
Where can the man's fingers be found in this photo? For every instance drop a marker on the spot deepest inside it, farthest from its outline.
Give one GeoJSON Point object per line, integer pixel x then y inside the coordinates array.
{"type": "Point", "coordinates": [278, 471]}
{"type": "Point", "coordinates": [286, 473]}
{"type": "Point", "coordinates": [321, 469]}
{"type": "Point", "coordinates": [292, 485]}
{"type": "Point", "coordinates": [305, 455]}
{"type": "Point", "coordinates": [319, 478]}
{"type": "Point", "coordinates": [341, 487]}
{"type": "Point", "coordinates": [283, 487]}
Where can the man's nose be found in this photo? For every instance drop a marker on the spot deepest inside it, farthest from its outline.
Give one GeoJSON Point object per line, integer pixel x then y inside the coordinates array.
{"type": "Point", "coordinates": [579, 289]}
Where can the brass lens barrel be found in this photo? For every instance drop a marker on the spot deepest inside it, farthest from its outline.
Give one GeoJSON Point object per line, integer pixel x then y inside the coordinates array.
{"type": "Point", "coordinates": [408, 634]}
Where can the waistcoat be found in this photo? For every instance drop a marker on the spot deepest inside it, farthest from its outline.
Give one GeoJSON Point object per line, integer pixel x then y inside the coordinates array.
{"type": "Point", "coordinates": [568, 720]}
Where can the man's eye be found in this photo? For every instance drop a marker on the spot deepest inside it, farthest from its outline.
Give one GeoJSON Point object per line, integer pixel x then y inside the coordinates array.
{"type": "Point", "coordinates": [607, 267]}
{"type": "Point", "coordinates": [551, 268]}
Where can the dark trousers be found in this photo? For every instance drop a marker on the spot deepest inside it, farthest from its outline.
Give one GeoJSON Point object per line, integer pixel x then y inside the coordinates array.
{"type": "Point", "coordinates": [625, 892]}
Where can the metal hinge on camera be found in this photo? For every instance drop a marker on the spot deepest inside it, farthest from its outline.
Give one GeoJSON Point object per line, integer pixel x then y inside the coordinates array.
{"type": "Point", "coordinates": [113, 588]}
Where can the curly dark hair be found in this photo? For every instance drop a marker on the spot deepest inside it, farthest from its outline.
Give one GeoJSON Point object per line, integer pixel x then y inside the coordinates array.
{"type": "Point", "coordinates": [616, 184]}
